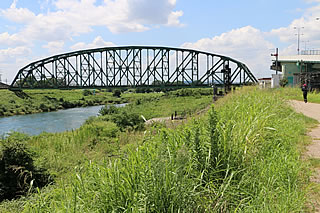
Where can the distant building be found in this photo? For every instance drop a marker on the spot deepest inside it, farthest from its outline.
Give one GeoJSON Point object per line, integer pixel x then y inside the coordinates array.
{"type": "Point", "coordinates": [265, 82]}
{"type": "Point", "coordinates": [4, 86]}
{"type": "Point", "coordinates": [300, 69]}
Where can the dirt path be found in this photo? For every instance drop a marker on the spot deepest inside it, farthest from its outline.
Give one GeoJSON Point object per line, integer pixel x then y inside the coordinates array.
{"type": "Point", "coordinates": [178, 118]}
{"type": "Point", "coordinates": [313, 150]}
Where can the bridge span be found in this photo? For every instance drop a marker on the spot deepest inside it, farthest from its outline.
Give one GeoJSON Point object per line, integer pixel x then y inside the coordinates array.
{"type": "Point", "coordinates": [133, 66]}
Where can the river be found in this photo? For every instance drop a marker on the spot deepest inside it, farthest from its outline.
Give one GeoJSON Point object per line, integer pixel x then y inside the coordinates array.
{"type": "Point", "coordinates": [58, 121]}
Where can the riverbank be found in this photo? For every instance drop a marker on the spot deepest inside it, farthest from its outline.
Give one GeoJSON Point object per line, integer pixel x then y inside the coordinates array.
{"type": "Point", "coordinates": [36, 101]}
{"type": "Point", "coordinates": [242, 155]}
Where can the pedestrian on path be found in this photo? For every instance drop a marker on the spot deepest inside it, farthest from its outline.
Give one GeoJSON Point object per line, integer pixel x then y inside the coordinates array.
{"type": "Point", "coordinates": [305, 92]}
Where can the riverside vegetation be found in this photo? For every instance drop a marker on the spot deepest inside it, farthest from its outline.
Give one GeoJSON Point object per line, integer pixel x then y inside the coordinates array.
{"type": "Point", "coordinates": [243, 155]}
{"type": "Point", "coordinates": [35, 101]}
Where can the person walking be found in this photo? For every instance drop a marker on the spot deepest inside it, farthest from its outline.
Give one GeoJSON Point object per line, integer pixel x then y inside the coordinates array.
{"type": "Point", "coordinates": [305, 92]}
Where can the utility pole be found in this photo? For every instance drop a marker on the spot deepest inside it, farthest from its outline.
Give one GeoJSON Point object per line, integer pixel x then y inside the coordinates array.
{"type": "Point", "coordinates": [299, 34]}
{"type": "Point", "coordinates": [276, 55]}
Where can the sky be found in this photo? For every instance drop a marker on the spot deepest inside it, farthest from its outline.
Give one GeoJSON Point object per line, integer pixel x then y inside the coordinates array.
{"type": "Point", "coordinates": [246, 30]}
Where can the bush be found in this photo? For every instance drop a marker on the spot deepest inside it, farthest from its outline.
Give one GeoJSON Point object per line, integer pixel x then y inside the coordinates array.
{"type": "Point", "coordinates": [283, 82]}
{"type": "Point", "coordinates": [103, 129]}
{"type": "Point", "coordinates": [127, 119]}
{"type": "Point", "coordinates": [86, 92]}
{"type": "Point", "coordinates": [18, 175]}
{"type": "Point", "coordinates": [108, 110]}
{"type": "Point", "coordinates": [116, 93]}
{"type": "Point", "coordinates": [124, 120]}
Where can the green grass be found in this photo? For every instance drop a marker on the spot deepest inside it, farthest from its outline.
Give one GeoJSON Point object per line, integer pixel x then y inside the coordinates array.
{"type": "Point", "coordinates": [315, 162]}
{"type": "Point", "coordinates": [34, 101]}
{"type": "Point", "coordinates": [296, 94]}
{"type": "Point", "coordinates": [97, 140]}
{"type": "Point", "coordinates": [242, 156]}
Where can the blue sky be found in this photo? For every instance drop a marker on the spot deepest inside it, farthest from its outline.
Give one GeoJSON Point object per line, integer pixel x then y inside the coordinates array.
{"type": "Point", "coordinates": [247, 30]}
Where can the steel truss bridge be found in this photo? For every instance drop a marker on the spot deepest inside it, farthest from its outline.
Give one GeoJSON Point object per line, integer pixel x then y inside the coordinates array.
{"type": "Point", "coordinates": [133, 66]}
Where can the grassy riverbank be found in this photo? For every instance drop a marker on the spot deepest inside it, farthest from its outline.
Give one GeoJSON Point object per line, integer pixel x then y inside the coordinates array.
{"type": "Point", "coordinates": [35, 101]}
{"type": "Point", "coordinates": [242, 155]}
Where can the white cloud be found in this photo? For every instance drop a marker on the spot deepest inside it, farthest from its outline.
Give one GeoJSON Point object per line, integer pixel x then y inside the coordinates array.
{"type": "Point", "coordinates": [11, 60]}
{"type": "Point", "coordinates": [54, 47]}
{"type": "Point", "coordinates": [308, 24]}
{"type": "Point", "coordinates": [11, 40]}
{"type": "Point", "coordinates": [74, 17]}
{"type": "Point", "coordinates": [310, 1]}
{"type": "Point", "coordinates": [173, 19]}
{"type": "Point", "coordinates": [246, 44]}
{"type": "Point", "coordinates": [154, 12]}
{"type": "Point", "coordinates": [97, 42]}
{"type": "Point", "coordinates": [290, 50]}
{"type": "Point", "coordinates": [18, 15]}
{"type": "Point", "coordinates": [13, 53]}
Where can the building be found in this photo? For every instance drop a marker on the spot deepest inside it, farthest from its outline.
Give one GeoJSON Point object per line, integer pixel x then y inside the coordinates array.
{"type": "Point", "coordinates": [265, 82]}
{"type": "Point", "coordinates": [299, 69]}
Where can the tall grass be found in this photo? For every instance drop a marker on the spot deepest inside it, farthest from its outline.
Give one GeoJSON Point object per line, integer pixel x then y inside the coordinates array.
{"type": "Point", "coordinates": [241, 157]}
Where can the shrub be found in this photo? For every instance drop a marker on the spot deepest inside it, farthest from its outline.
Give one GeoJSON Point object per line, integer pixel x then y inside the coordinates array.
{"type": "Point", "coordinates": [116, 93]}
{"type": "Point", "coordinates": [107, 110]}
{"type": "Point", "coordinates": [283, 82]}
{"type": "Point", "coordinates": [103, 129]}
{"type": "Point", "coordinates": [18, 175]}
{"type": "Point", "coordinates": [125, 120]}
{"type": "Point", "coordinates": [86, 92]}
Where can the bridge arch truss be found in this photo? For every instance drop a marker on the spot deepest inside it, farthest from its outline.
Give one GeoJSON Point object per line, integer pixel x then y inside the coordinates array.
{"type": "Point", "coordinates": [133, 66]}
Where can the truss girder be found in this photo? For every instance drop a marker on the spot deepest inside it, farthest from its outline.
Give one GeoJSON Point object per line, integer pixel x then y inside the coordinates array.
{"type": "Point", "coordinates": [132, 66]}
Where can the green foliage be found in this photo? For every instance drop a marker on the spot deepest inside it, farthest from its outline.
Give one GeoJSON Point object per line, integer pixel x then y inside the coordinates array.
{"type": "Point", "coordinates": [125, 120]}
{"type": "Point", "coordinates": [108, 110]}
{"type": "Point", "coordinates": [34, 101]}
{"type": "Point", "coordinates": [102, 129]}
{"type": "Point", "coordinates": [86, 92]}
{"type": "Point", "coordinates": [242, 156]}
{"type": "Point", "coordinates": [283, 82]}
{"type": "Point", "coordinates": [18, 175]}
{"type": "Point", "coordinates": [116, 93]}
{"type": "Point", "coordinates": [191, 92]}
{"type": "Point", "coordinates": [161, 106]}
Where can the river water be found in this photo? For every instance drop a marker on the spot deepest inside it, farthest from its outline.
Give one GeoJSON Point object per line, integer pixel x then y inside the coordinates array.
{"type": "Point", "coordinates": [58, 121]}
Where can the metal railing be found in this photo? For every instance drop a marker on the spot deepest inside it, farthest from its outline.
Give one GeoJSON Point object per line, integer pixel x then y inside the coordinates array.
{"type": "Point", "coordinates": [310, 52]}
